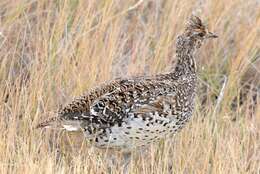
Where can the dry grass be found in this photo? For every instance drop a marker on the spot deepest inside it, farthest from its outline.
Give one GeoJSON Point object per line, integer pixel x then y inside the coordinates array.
{"type": "Point", "coordinates": [53, 50]}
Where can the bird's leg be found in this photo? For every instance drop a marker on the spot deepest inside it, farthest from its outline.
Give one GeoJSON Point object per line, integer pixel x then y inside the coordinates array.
{"type": "Point", "coordinates": [126, 161]}
{"type": "Point", "coordinates": [111, 162]}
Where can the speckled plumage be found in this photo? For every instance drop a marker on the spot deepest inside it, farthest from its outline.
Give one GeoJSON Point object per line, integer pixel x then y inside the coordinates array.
{"type": "Point", "coordinates": [127, 113]}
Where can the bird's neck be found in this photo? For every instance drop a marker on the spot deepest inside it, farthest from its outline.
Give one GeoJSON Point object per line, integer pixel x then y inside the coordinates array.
{"type": "Point", "coordinates": [186, 64]}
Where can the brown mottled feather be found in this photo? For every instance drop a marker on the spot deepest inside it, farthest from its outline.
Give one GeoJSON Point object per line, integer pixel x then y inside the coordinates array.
{"type": "Point", "coordinates": [141, 108]}
{"type": "Point", "coordinates": [48, 122]}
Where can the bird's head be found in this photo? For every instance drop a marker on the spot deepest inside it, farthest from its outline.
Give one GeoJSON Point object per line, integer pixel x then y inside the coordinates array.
{"type": "Point", "coordinates": [197, 31]}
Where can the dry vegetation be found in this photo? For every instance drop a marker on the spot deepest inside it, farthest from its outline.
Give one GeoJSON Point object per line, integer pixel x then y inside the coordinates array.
{"type": "Point", "coordinates": [51, 51]}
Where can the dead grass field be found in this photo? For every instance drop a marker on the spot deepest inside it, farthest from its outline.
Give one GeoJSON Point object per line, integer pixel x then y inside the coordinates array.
{"type": "Point", "coordinates": [51, 51]}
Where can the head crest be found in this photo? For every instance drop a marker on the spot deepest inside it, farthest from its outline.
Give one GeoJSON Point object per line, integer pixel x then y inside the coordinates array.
{"type": "Point", "coordinates": [195, 23]}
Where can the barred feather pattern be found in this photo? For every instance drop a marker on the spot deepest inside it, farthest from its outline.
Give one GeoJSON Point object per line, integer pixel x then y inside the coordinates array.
{"type": "Point", "coordinates": [128, 113]}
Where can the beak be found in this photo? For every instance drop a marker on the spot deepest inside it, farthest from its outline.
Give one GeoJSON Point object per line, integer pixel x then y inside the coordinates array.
{"type": "Point", "coordinates": [211, 35]}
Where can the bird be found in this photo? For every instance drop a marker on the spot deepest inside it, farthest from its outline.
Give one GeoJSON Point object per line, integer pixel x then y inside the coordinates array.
{"type": "Point", "coordinates": [127, 113]}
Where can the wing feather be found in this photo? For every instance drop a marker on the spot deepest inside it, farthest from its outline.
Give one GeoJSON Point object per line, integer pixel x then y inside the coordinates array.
{"type": "Point", "coordinates": [110, 103]}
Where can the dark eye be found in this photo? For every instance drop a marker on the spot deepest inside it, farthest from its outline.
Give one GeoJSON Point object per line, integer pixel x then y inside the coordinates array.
{"type": "Point", "coordinates": [201, 34]}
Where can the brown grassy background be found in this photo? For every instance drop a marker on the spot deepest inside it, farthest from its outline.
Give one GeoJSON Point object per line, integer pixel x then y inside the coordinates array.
{"type": "Point", "coordinates": [51, 51]}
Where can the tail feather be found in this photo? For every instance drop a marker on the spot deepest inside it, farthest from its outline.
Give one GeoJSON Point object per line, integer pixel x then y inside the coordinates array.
{"type": "Point", "coordinates": [53, 122]}
{"type": "Point", "coordinates": [57, 123]}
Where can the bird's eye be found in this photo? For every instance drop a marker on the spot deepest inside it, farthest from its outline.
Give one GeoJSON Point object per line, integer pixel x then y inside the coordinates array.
{"type": "Point", "coordinates": [201, 34]}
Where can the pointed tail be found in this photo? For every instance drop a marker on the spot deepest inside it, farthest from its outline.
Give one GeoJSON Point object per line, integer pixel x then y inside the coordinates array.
{"type": "Point", "coordinates": [57, 123]}
{"type": "Point", "coordinates": [53, 122]}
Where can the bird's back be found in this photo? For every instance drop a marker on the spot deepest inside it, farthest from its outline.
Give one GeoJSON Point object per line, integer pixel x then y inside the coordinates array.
{"type": "Point", "coordinates": [127, 113]}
